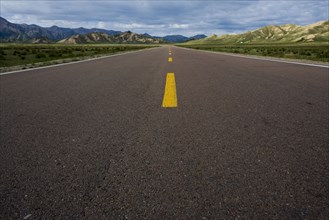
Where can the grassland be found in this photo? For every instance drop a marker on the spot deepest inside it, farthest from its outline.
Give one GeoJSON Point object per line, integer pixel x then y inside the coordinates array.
{"type": "Point", "coordinates": [30, 55]}
{"type": "Point", "coordinates": [306, 51]}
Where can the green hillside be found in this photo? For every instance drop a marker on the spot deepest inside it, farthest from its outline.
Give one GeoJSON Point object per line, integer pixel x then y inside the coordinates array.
{"type": "Point", "coordinates": [289, 33]}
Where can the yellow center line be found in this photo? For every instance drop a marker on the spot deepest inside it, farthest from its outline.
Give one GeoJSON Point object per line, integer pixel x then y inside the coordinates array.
{"type": "Point", "coordinates": [170, 59]}
{"type": "Point", "coordinates": [170, 97]}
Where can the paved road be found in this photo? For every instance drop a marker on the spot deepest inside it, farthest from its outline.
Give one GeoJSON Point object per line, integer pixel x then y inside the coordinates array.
{"type": "Point", "coordinates": [249, 139]}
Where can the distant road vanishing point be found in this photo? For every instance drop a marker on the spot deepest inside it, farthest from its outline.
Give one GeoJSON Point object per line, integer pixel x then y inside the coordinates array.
{"type": "Point", "coordinates": [241, 138]}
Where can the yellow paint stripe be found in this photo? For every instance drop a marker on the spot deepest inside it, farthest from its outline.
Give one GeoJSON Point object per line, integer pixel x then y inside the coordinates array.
{"type": "Point", "coordinates": [170, 59]}
{"type": "Point", "coordinates": [170, 97]}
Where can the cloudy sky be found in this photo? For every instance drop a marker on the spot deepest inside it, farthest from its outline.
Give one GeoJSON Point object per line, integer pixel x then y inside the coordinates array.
{"type": "Point", "coordinates": [166, 17]}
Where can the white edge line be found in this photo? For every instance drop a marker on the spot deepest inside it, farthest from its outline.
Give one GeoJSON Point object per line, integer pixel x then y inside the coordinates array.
{"type": "Point", "coordinates": [256, 58]}
{"type": "Point", "coordinates": [75, 62]}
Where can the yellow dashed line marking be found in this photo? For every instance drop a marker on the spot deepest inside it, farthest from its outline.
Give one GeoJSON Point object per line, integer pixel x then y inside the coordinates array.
{"type": "Point", "coordinates": [170, 59]}
{"type": "Point", "coordinates": [170, 97]}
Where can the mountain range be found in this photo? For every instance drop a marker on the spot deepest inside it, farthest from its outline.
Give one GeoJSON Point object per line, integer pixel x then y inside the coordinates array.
{"type": "Point", "coordinates": [181, 38]}
{"type": "Point", "coordinates": [127, 37]}
{"type": "Point", "coordinates": [10, 32]}
{"type": "Point", "coordinates": [289, 33]}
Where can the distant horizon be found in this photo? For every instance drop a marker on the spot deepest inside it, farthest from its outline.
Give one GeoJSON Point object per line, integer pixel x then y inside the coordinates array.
{"type": "Point", "coordinates": [95, 28]}
{"type": "Point", "coordinates": [160, 18]}
{"type": "Point", "coordinates": [155, 35]}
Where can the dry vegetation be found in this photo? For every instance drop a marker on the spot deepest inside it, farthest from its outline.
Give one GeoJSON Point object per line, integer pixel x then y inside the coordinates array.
{"type": "Point", "coordinates": [27, 54]}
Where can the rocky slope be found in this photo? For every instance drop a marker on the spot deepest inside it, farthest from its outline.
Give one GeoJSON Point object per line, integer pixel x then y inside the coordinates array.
{"type": "Point", "coordinates": [97, 37]}
{"type": "Point", "coordinates": [318, 32]}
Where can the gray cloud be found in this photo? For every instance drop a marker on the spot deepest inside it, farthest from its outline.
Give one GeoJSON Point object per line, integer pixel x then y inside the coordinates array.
{"type": "Point", "coordinates": [166, 17]}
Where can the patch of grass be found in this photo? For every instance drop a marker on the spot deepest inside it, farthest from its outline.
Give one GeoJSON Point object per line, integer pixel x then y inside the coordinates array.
{"type": "Point", "coordinates": [315, 52]}
{"type": "Point", "coordinates": [23, 54]}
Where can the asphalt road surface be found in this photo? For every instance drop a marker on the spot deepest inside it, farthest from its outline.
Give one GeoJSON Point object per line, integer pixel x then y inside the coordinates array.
{"type": "Point", "coordinates": [248, 139]}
